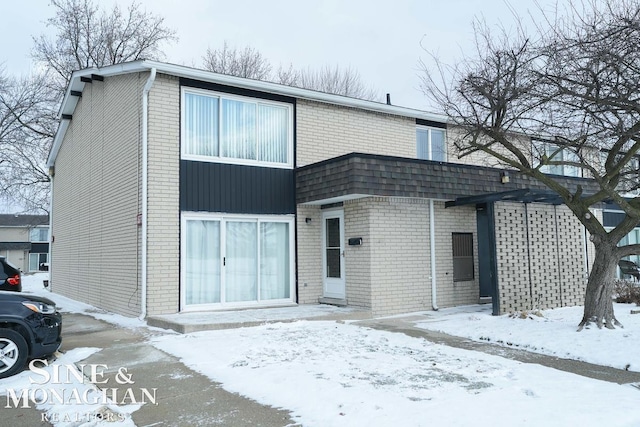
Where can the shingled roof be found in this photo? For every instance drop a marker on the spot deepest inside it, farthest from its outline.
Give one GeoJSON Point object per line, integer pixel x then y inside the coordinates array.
{"type": "Point", "coordinates": [13, 220]}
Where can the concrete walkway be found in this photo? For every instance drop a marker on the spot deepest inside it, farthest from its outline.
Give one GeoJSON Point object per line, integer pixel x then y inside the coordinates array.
{"type": "Point", "coordinates": [406, 326]}
{"type": "Point", "coordinates": [184, 397]}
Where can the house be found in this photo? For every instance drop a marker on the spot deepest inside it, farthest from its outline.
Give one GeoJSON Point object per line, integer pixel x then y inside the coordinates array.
{"type": "Point", "coordinates": [176, 190]}
{"type": "Point", "coordinates": [24, 241]}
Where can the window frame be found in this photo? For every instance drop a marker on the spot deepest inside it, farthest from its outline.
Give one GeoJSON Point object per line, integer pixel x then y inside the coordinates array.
{"type": "Point", "coordinates": [540, 146]}
{"type": "Point", "coordinates": [39, 255]}
{"type": "Point", "coordinates": [39, 229]}
{"type": "Point", "coordinates": [430, 129]}
{"type": "Point", "coordinates": [457, 277]}
{"type": "Point", "coordinates": [223, 219]}
{"type": "Point", "coordinates": [232, 160]}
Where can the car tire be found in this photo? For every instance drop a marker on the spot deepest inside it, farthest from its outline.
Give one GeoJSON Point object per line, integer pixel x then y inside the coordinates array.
{"type": "Point", "coordinates": [13, 352]}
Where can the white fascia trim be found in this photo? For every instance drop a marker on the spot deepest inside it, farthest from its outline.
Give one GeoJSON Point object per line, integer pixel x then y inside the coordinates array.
{"type": "Point", "coordinates": [69, 102]}
{"type": "Point", "coordinates": [294, 92]}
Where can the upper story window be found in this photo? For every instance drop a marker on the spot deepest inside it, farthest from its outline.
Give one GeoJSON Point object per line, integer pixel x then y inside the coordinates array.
{"type": "Point", "coordinates": [552, 152]}
{"type": "Point", "coordinates": [39, 234]}
{"type": "Point", "coordinates": [431, 144]}
{"type": "Point", "coordinates": [234, 129]}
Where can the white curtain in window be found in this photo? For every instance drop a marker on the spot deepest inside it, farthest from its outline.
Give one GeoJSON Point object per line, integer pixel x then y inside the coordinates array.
{"type": "Point", "coordinates": [272, 134]}
{"type": "Point", "coordinates": [33, 262]}
{"type": "Point", "coordinates": [422, 143]}
{"type": "Point", "coordinates": [274, 260]}
{"type": "Point", "coordinates": [438, 148]}
{"type": "Point", "coordinates": [238, 130]}
{"type": "Point", "coordinates": [201, 124]}
{"type": "Point", "coordinates": [203, 262]}
{"type": "Point", "coordinates": [241, 270]}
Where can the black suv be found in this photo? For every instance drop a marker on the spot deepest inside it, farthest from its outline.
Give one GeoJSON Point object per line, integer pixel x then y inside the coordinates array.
{"type": "Point", "coordinates": [10, 279]}
{"type": "Point", "coordinates": [30, 328]}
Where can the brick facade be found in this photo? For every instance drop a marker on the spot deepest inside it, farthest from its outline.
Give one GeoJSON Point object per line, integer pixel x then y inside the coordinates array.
{"type": "Point", "coordinates": [386, 193]}
{"type": "Point", "coordinates": [96, 198]}
{"type": "Point", "coordinates": [390, 272]}
{"type": "Point", "coordinates": [325, 131]}
{"type": "Point", "coordinates": [163, 232]}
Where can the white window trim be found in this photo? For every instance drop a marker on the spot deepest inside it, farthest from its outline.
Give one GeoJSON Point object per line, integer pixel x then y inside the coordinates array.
{"type": "Point", "coordinates": [430, 128]}
{"type": "Point", "coordinates": [231, 160]}
{"type": "Point", "coordinates": [223, 218]}
{"type": "Point", "coordinates": [38, 264]}
{"type": "Point", "coordinates": [539, 146]}
{"type": "Point", "coordinates": [39, 241]}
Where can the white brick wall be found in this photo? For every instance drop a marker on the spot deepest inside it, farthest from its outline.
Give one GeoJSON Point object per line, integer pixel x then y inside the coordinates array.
{"type": "Point", "coordinates": [391, 272]}
{"type": "Point", "coordinates": [309, 247]}
{"type": "Point", "coordinates": [163, 255]}
{"type": "Point", "coordinates": [325, 131]}
{"type": "Point", "coordinates": [96, 198]}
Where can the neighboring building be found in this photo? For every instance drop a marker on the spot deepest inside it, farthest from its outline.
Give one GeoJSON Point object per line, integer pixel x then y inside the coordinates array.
{"type": "Point", "coordinates": [24, 241]}
{"type": "Point", "coordinates": [176, 189]}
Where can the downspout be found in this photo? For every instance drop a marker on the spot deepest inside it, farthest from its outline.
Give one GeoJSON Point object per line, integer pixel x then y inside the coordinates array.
{"type": "Point", "coordinates": [50, 230]}
{"type": "Point", "coordinates": [432, 250]}
{"type": "Point", "coordinates": [145, 168]}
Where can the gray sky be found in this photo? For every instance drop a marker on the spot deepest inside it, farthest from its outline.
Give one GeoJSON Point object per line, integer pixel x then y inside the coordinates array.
{"type": "Point", "coordinates": [380, 39]}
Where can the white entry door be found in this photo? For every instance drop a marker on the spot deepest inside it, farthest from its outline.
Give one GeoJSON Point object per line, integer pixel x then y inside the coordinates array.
{"type": "Point", "coordinates": [333, 254]}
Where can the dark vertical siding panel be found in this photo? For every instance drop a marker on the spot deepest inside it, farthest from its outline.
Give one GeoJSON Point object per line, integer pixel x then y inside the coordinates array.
{"type": "Point", "coordinates": [218, 187]}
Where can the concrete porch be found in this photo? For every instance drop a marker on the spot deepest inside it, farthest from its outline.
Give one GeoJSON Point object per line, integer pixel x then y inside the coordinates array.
{"type": "Point", "coordinates": [212, 320]}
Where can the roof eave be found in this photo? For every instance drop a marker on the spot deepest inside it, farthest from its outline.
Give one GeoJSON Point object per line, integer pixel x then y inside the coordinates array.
{"type": "Point", "coordinates": [70, 101]}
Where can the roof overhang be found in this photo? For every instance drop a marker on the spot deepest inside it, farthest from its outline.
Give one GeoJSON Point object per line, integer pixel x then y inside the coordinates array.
{"type": "Point", "coordinates": [524, 195]}
{"type": "Point", "coordinates": [80, 78]}
{"type": "Point", "coordinates": [358, 175]}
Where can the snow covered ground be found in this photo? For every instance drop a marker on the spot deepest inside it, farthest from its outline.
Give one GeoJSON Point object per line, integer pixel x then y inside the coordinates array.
{"type": "Point", "coordinates": [341, 374]}
{"type": "Point", "coordinates": [554, 333]}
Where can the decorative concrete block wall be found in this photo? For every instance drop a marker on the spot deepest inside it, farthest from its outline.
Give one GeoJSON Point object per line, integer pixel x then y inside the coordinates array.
{"type": "Point", "coordinates": [540, 257]}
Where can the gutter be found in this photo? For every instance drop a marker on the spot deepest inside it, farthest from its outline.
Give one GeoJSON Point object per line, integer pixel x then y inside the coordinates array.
{"type": "Point", "coordinates": [432, 250]}
{"type": "Point", "coordinates": [145, 183]}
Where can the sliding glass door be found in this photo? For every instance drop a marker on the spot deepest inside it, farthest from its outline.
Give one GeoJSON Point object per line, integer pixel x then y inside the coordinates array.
{"type": "Point", "coordinates": [236, 260]}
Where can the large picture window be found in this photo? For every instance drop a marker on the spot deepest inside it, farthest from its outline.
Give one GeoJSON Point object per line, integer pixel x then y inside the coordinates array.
{"type": "Point", "coordinates": [234, 129]}
{"type": "Point", "coordinates": [236, 260]}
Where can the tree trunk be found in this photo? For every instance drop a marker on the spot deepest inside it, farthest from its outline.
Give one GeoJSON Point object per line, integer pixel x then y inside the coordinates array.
{"type": "Point", "coordinates": [598, 301]}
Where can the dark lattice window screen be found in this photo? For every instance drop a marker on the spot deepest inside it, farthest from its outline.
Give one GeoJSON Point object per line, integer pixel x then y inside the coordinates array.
{"type": "Point", "coordinates": [462, 256]}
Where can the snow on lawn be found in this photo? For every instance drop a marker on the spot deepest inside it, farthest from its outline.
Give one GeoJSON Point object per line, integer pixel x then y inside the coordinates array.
{"type": "Point", "coordinates": [335, 374]}
{"type": "Point", "coordinates": [33, 284]}
{"type": "Point", "coordinates": [555, 333]}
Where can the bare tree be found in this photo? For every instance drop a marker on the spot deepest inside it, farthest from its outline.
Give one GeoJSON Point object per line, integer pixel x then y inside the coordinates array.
{"type": "Point", "coordinates": [27, 125]}
{"type": "Point", "coordinates": [248, 62]}
{"type": "Point", "coordinates": [87, 36]}
{"type": "Point", "coordinates": [336, 80]}
{"type": "Point", "coordinates": [574, 84]}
